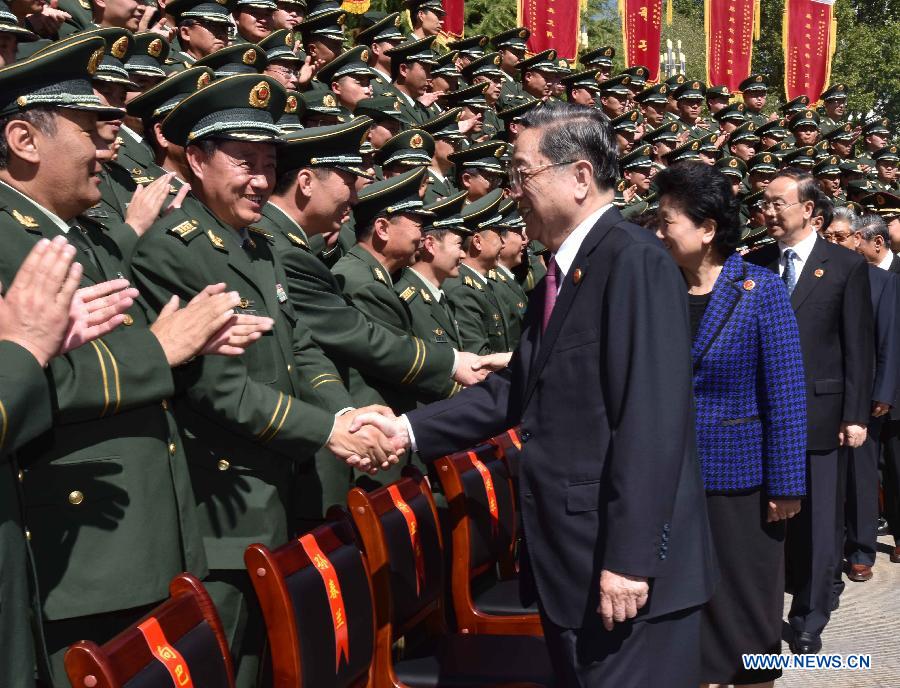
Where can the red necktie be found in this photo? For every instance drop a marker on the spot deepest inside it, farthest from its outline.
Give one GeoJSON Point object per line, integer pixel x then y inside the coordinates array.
{"type": "Point", "coordinates": [550, 281]}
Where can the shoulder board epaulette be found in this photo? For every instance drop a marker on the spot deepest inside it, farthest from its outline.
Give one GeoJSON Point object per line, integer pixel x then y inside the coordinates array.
{"type": "Point", "coordinates": [379, 274]}
{"type": "Point", "coordinates": [186, 230]}
{"type": "Point", "coordinates": [216, 240]}
{"type": "Point", "coordinates": [408, 294]}
{"type": "Point", "coordinates": [492, 274]}
{"type": "Point", "coordinates": [261, 232]}
{"type": "Point", "coordinates": [298, 240]}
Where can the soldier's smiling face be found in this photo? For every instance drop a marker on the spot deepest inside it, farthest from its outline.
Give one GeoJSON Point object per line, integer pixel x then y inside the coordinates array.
{"type": "Point", "coordinates": [234, 180]}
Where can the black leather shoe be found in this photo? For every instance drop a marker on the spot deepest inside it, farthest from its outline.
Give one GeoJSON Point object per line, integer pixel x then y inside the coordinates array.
{"type": "Point", "coordinates": [883, 527]}
{"type": "Point", "coordinates": [806, 643]}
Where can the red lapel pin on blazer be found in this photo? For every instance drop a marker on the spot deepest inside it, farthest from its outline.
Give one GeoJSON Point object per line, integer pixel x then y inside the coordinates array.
{"type": "Point", "coordinates": [577, 275]}
{"type": "Point", "coordinates": [819, 272]}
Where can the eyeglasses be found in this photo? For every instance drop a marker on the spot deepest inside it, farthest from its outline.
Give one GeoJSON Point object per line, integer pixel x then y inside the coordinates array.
{"type": "Point", "coordinates": [518, 175]}
{"type": "Point", "coordinates": [777, 206]}
{"type": "Point", "coordinates": [284, 71]}
{"type": "Point", "coordinates": [837, 237]}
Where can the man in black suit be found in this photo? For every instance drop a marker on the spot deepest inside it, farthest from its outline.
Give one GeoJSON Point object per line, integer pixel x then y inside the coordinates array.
{"type": "Point", "coordinates": [868, 236]}
{"type": "Point", "coordinates": [829, 287]}
{"type": "Point", "coordinates": [618, 542]}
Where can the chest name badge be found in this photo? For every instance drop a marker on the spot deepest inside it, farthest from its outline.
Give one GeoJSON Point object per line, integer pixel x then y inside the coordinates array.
{"type": "Point", "coordinates": [280, 293]}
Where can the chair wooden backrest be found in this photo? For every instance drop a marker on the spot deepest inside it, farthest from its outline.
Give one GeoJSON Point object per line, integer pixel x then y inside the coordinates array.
{"type": "Point", "coordinates": [316, 599]}
{"type": "Point", "coordinates": [178, 643]}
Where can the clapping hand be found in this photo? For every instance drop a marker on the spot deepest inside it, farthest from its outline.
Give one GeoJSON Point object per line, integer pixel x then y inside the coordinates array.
{"type": "Point", "coordinates": [96, 311]}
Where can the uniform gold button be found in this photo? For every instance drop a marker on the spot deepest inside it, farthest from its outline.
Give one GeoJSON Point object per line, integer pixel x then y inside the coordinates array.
{"type": "Point", "coordinates": [290, 368]}
{"type": "Point", "coordinates": [245, 303]}
{"type": "Point", "coordinates": [165, 405]}
{"type": "Point", "coordinates": [76, 497]}
{"type": "Point", "coordinates": [172, 449]}
{"type": "Point", "coordinates": [21, 476]}
{"type": "Point", "coordinates": [223, 465]}
{"type": "Point", "coordinates": [128, 321]}
{"type": "Point", "coordinates": [28, 534]}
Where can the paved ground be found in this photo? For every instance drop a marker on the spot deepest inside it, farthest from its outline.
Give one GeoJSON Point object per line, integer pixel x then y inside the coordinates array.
{"type": "Point", "coordinates": [868, 621]}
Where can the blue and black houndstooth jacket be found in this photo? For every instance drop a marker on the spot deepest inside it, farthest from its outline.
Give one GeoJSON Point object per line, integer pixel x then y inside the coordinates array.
{"type": "Point", "coordinates": [749, 386]}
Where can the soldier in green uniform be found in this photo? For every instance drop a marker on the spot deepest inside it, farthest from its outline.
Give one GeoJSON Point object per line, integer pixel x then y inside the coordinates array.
{"type": "Point", "coordinates": [886, 169]}
{"type": "Point", "coordinates": [512, 119]}
{"type": "Point", "coordinates": [803, 157]}
{"type": "Point", "coordinates": [795, 105]}
{"type": "Point", "coordinates": [323, 37]}
{"type": "Point", "coordinates": [601, 58]}
{"type": "Point", "coordinates": [474, 106]}
{"type": "Point", "coordinates": [448, 139]}
{"type": "Point", "coordinates": [35, 326]}
{"type": "Point", "coordinates": [636, 168]}
{"type": "Point", "coordinates": [379, 38]}
{"type": "Point", "coordinates": [282, 63]}
{"type": "Point", "coordinates": [511, 45]}
{"type": "Point", "coordinates": [445, 77]}
{"type": "Point", "coordinates": [486, 70]}
{"type": "Point", "coordinates": [348, 76]}
{"type": "Point", "coordinates": [583, 87]}
{"type": "Point", "coordinates": [253, 19]}
{"type": "Point", "coordinates": [625, 128]}
{"type": "Point", "coordinates": [387, 122]}
{"type": "Point", "coordinates": [735, 170]}
{"type": "Point", "coordinates": [248, 424]}
{"type": "Point", "coordinates": [771, 134]}
{"type": "Point", "coordinates": [240, 58]}
{"type": "Point", "coordinates": [409, 149]}
{"type": "Point", "coordinates": [689, 97]}
{"type": "Point", "coordinates": [113, 462]}
{"type": "Point", "coordinates": [538, 71]}
{"type": "Point", "coordinates": [478, 168]}
{"type": "Point", "coordinates": [730, 118]}
{"type": "Point", "coordinates": [804, 125]}
{"type": "Point", "coordinates": [411, 65]}
{"type": "Point", "coordinates": [834, 105]}
{"type": "Point", "coordinates": [652, 103]}
{"type": "Point", "coordinates": [755, 89]}
{"type": "Point", "coordinates": [828, 176]}
{"type": "Point", "coordinates": [663, 140]}
{"type": "Point", "coordinates": [743, 142]}
{"type": "Point", "coordinates": [717, 98]}
{"type": "Point", "coordinates": [510, 294]}
{"type": "Point", "coordinates": [427, 17]}
{"type": "Point", "coordinates": [840, 139]}
{"type": "Point", "coordinates": [202, 27]}
{"type": "Point", "coordinates": [614, 95]}
{"type": "Point", "coordinates": [467, 51]}
{"type": "Point", "coordinates": [419, 285]}
{"type": "Point", "coordinates": [876, 135]}
{"type": "Point", "coordinates": [478, 312]}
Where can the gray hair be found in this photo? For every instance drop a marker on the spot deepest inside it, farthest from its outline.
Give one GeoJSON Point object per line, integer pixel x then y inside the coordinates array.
{"type": "Point", "coordinates": [43, 118]}
{"type": "Point", "coordinates": [869, 226]}
{"type": "Point", "coordinates": [844, 214]}
{"type": "Point", "coordinates": [577, 132]}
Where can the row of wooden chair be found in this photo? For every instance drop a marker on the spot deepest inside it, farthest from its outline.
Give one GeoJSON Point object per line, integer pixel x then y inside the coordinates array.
{"type": "Point", "coordinates": [359, 601]}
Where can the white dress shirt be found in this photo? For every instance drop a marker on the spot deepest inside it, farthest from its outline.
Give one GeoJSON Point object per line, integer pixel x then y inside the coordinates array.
{"type": "Point", "coordinates": [437, 294]}
{"type": "Point", "coordinates": [801, 253]}
{"type": "Point", "coordinates": [565, 254]}
{"type": "Point", "coordinates": [885, 263]}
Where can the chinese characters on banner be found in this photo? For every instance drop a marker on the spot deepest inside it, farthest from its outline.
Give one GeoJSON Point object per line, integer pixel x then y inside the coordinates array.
{"type": "Point", "coordinates": [730, 27]}
{"type": "Point", "coordinates": [641, 31]}
{"type": "Point", "coordinates": [808, 35]}
{"type": "Point", "coordinates": [553, 24]}
{"type": "Point", "coordinates": [454, 20]}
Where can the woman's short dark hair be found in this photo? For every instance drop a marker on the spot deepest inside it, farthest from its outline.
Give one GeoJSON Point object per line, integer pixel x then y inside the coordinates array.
{"type": "Point", "coordinates": [702, 192]}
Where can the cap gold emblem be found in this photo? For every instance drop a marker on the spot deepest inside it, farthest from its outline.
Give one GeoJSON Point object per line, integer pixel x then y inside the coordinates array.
{"type": "Point", "coordinates": [397, 20]}
{"type": "Point", "coordinates": [289, 39]}
{"type": "Point", "coordinates": [732, 162]}
{"type": "Point", "coordinates": [564, 64]}
{"type": "Point", "coordinates": [551, 55]}
{"type": "Point", "coordinates": [663, 88]}
{"type": "Point", "coordinates": [416, 141]}
{"type": "Point", "coordinates": [290, 105]}
{"type": "Point", "coordinates": [767, 158]}
{"type": "Point", "coordinates": [819, 272]}
{"type": "Point", "coordinates": [482, 41]}
{"type": "Point", "coordinates": [695, 85]}
{"type": "Point", "coordinates": [249, 57]}
{"type": "Point", "coordinates": [523, 33]}
{"type": "Point", "coordinates": [341, 19]}
{"type": "Point", "coordinates": [203, 80]}
{"type": "Point", "coordinates": [758, 78]}
{"type": "Point", "coordinates": [364, 56]}
{"type": "Point", "coordinates": [155, 48]}
{"type": "Point", "coordinates": [119, 47]}
{"type": "Point", "coordinates": [499, 152]}
{"type": "Point", "coordinates": [260, 95]}
{"type": "Point", "coordinates": [328, 100]}
{"type": "Point", "coordinates": [626, 80]}
{"type": "Point", "coordinates": [695, 145]}
{"type": "Point", "coordinates": [94, 61]}
{"type": "Point", "coordinates": [496, 59]}
{"type": "Point", "coordinates": [808, 113]}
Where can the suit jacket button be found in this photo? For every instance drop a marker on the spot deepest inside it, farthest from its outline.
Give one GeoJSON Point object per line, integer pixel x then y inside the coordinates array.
{"type": "Point", "coordinates": [165, 405]}
{"type": "Point", "coordinates": [21, 476]}
{"type": "Point", "coordinates": [28, 534]}
{"type": "Point", "coordinates": [524, 435]}
{"type": "Point", "coordinates": [223, 464]}
{"type": "Point", "coordinates": [172, 449]}
{"type": "Point", "coordinates": [76, 497]}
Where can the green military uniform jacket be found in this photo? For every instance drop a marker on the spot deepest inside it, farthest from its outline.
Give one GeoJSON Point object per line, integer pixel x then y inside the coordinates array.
{"type": "Point", "coordinates": [111, 473]}
{"type": "Point", "coordinates": [438, 188]}
{"type": "Point", "coordinates": [758, 119]}
{"type": "Point", "coordinates": [246, 420]}
{"type": "Point", "coordinates": [24, 414]}
{"type": "Point", "coordinates": [511, 93]}
{"type": "Point", "coordinates": [478, 312]}
{"type": "Point", "coordinates": [383, 86]}
{"type": "Point", "coordinates": [413, 112]}
{"type": "Point", "coordinates": [513, 302]}
{"type": "Point", "coordinates": [492, 126]}
{"type": "Point", "coordinates": [432, 320]}
{"type": "Point", "coordinates": [82, 17]}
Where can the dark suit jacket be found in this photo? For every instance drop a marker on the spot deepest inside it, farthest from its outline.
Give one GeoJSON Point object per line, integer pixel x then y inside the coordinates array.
{"type": "Point", "coordinates": [895, 265]}
{"type": "Point", "coordinates": [833, 305]}
{"type": "Point", "coordinates": [885, 296]}
{"type": "Point", "coordinates": [609, 477]}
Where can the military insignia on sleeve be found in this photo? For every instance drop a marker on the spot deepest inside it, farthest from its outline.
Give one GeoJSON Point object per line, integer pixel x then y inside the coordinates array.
{"type": "Point", "coordinates": [25, 220]}
{"type": "Point", "coordinates": [215, 240]}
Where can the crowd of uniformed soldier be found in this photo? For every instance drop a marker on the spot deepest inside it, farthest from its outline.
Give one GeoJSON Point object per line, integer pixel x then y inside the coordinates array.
{"type": "Point", "coordinates": [372, 227]}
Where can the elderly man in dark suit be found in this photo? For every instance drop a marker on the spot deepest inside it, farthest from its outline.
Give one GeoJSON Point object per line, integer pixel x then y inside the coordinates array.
{"type": "Point", "coordinates": [614, 515]}
{"type": "Point", "coordinates": [830, 294]}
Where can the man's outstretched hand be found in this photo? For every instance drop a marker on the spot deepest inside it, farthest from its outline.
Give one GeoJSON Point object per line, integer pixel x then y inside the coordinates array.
{"type": "Point", "coordinates": [364, 446]}
{"type": "Point", "coordinates": [394, 429]}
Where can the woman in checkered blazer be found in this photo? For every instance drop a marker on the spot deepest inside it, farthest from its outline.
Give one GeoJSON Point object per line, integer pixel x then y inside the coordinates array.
{"type": "Point", "coordinates": [750, 415]}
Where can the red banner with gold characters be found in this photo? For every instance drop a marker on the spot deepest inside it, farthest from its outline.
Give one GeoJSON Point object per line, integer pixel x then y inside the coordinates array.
{"type": "Point", "coordinates": [553, 24]}
{"type": "Point", "coordinates": [809, 37]}
{"type": "Point", "coordinates": [165, 652]}
{"type": "Point", "coordinates": [731, 26]}
{"type": "Point", "coordinates": [335, 598]}
{"type": "Point", "coordinates": [455, 17]}
{"type": "Point", "coordinates": [641, 32]}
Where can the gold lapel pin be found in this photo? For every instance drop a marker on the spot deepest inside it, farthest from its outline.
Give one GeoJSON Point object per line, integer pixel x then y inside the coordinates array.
{"type": "Point", "coordinates": [819, 272]}
{"type": "Point", "coordinates": [577, 275]}
{"type": "Point", "coordinates": [749, 284]}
